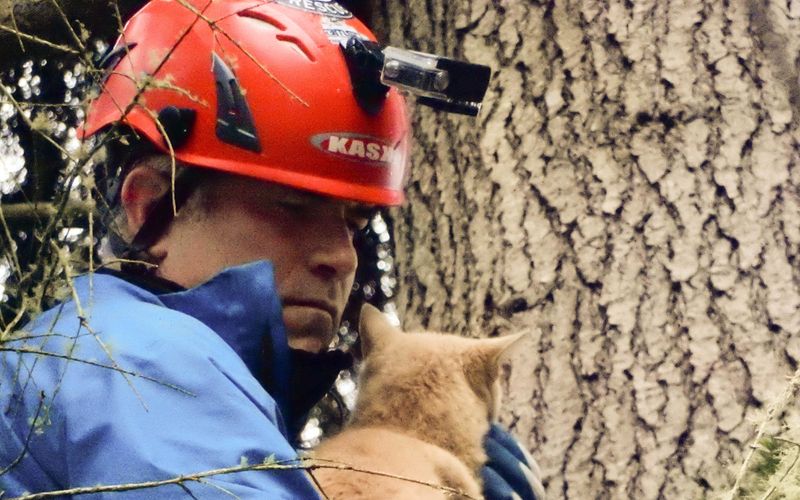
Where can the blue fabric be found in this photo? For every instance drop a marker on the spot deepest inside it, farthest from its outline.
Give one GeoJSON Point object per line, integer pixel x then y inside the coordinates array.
{"type": "Point", "coordinates": [507, 474]}
{"type": "Point", "coordinates": [187, 402]}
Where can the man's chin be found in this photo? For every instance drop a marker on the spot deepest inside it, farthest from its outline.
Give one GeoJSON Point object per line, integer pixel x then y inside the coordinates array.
{"type": "Point", "coordinates": [308, 328]}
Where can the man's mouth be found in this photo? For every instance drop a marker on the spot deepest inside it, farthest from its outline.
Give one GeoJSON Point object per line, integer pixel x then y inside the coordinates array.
{"type": "Point", "coordinates": [313, 303]}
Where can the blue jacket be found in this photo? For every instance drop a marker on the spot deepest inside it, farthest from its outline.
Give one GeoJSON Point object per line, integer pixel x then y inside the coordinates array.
{"type": "Point", "coordinates": [159, 386]}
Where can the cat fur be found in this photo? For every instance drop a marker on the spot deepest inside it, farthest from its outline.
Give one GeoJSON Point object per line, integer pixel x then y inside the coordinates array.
{"type": "Point", "coordinates": [425, 403]}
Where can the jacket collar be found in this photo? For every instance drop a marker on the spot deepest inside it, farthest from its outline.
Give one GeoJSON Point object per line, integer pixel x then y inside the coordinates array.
{"type": "Point", "coordinates": [241, 304]}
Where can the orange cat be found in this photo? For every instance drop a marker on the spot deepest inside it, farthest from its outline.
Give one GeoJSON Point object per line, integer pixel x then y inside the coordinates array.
{"type": "Point", "coordinates": [425, 402]}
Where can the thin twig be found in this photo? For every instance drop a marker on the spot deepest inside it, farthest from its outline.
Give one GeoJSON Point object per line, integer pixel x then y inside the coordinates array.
{"type": "Point", "coordinates": [173, 165]}
{"type": "Point", "coordinates": [91, 254]}
{"type": "Point", "coordinates": [8, 328]}
{"type": "Point", "coordinates": [187, 491]}
{"type": "Point", "coordinates": [35, 39]}
{"type": "Point", "coordinates": [15, 320]}
{"type": "Point", "coordinates": [27, 350]}
{"type": "Point", "coordinates": [261, 66]}
{"type": "Point", "coordinates": [7, 233]}
{"type": "Point", "coordinates": [64, 18]}
{"type": "Point", "coordinates": [218, 487]}
{"type": "Point", "coordinates": [60, 208]}
{"type": "Point", "coordinates": [107, 137]}
{"type": "Point", "coordinates": [160, 65]}
{"type": "Point", "coordinates": [293, 464]}
{"type": "Point", "coordinates": [27, 438]}
{"type": "Point", "coordinates": [24, 336]}
{"type": "Point", "coordinates": [324, 463]}
{"type": "Point", "coordinates": [320, 489]}
{"type": "Point", "coordinates": [120, 260]}
{"type": "Point", "coordinates": [82, 316]}
{"type": "Point", "coordinates": [16, 27]}
{"type": "Point", "coordinates": [213, 26]}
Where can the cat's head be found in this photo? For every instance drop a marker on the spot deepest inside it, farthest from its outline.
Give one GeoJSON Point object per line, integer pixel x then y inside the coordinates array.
{"type": "Point", "coordinates": [448, 373]}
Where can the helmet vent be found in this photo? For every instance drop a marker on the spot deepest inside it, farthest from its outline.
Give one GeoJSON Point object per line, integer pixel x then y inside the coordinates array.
{"type": "Point", "coordinates": [300, 46]}
{"type": "Point", "coordinates": [265, 18]}
{"type": "Point", "coordinates": [234, 120]}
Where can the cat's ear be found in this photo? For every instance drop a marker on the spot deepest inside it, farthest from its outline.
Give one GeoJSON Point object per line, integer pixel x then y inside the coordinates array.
{"type": "Point", "coordinates": [374, 329]}
{"type": "Point", "coordinates": [482, 360]}
{"type": "Point", "coordinates": [495, 350]}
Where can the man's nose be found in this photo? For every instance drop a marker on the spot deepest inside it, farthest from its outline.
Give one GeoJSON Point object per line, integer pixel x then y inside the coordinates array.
{"type": "Point", "coordinates": [333, 254]}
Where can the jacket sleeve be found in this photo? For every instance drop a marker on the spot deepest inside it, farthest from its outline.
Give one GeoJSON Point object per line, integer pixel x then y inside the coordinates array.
{"type": "Point", "coordinates": [184, 404]}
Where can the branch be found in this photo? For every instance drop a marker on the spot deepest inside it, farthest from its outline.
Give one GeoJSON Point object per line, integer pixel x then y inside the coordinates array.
{"type": "Point", "coordinates": [294, 464]}
{"type": "Point", "coordinates": [4, 347]}
{"type": "Point", "coordinates": [18, 214]}
{"type": "Point", "coordinates": [31, 430]}
{"type": "Point", "coordinates": [39, 28]}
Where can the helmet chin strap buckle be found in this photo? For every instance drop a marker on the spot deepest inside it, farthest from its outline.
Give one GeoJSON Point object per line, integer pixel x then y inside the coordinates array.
{"type": "Point", "coordinates": [441, 83]}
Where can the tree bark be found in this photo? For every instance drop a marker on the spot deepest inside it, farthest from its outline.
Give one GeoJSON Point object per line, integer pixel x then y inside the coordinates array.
{"type": "Point", "coordinates": [630, 191]}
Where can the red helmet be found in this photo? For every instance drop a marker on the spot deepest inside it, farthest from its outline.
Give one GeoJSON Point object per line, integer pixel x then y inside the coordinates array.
{"type": "Point", "coordinates": [259, 88]}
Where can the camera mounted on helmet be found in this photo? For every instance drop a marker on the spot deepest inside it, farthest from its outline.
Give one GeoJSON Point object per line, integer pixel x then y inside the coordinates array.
{"type": "Point", "coordinates": [438, 82]}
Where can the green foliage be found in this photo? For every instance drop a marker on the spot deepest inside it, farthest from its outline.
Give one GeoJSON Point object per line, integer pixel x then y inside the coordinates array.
{"type": "Point", "coordinates": [769, 458]}
{"type": "Point", "coordinates": [773, 472]}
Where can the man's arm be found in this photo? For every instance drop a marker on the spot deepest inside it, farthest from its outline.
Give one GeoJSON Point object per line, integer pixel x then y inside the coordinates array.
{"type": "Point", "coordinates": [184, 404]}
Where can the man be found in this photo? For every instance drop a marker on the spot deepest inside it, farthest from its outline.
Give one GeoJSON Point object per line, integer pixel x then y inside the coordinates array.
{"type": "Point", "coordinates": [251, 148]}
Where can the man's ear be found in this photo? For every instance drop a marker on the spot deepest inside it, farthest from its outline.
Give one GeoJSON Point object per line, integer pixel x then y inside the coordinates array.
{"type": "Point", "coordinates": [141, 189]}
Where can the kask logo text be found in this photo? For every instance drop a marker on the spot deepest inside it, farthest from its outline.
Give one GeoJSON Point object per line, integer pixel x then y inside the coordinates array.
{"type": "Point", "coordinates": [356, 147]}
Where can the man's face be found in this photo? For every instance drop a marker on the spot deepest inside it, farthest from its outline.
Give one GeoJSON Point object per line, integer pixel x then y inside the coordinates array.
{"type": "Point", "coordinates": [308, 238]}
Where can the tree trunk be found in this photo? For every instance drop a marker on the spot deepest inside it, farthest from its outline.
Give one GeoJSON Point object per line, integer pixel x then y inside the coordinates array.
{"type": "Point", "coordinates": [630, 190]}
